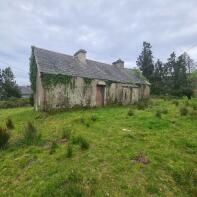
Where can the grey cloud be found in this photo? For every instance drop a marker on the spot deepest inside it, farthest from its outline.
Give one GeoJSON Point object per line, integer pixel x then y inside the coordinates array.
{"type": "Point", "coordinates": [106, 29]}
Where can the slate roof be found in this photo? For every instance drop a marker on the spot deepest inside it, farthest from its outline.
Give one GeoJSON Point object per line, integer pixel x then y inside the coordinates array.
{"type": "Point", "coordinates": [57, 63]}
{"type": "Point", "coordinates": [25, 90]}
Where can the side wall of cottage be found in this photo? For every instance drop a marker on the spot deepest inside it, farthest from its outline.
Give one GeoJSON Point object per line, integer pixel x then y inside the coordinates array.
{"type": "Point", "coordinates": [80, 93]}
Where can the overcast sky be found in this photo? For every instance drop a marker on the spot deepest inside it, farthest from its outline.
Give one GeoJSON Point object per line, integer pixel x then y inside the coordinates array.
{"type": "Point", "coordinates": [107, 29]}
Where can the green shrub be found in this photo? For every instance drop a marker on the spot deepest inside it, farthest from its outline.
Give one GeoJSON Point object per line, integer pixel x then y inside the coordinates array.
{"type": "Point", "coordinates": [158, 114]}
{"type": "Point", "coordinates": [9, 123]}
{"type": "Point", "coordinates": [30, 134]}
{"type": "Point", "coordinates": [164, 111]}
{"type": "Point", "coordinates": [183, 111]}
{"type": "Point", "coordinates": [66, 133]}
{"type": "Point", "coordinates": [69, 152]}
{"type": "Point", "coordinates": [53, 147]}
{"type": "Point", "coordinates": [141, 105]}
{"type": "Point", "coordinates": [130, 112]}
{"type": "Point", "coordinates": [175, 102]}
{"type": "Point", "coordinates": [4, 137]}
{"type": "Point", "coordinates": [81, 141]}
{"type": "Point", "coordinates": [93, 118]}
{"type": "Point", "coordinates": [14, 102]}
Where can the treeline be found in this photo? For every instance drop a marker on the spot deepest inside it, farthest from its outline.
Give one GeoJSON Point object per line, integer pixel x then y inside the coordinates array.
{"type": "Point", "coordinates": [171, 78]}
{"type": "Point", "coordinates": [8, 86]}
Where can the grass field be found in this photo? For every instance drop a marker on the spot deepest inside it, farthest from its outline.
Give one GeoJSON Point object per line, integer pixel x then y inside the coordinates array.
{"type": "Point", "coordinates": [138, 155]}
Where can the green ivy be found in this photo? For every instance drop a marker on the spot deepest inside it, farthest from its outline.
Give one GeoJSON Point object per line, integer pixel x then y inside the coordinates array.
{"type": "Point", "coordinates": [108, 83]}
{"type": "Point", "coordinates": [87, 81]}
{"type": "Point", "coordinates": [33, 70]}
{"type": "Point", "coordinates": [54, 79]}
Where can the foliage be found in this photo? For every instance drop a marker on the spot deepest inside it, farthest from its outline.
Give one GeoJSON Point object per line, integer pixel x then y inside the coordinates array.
{"type": "Point", "coordinates": [8, 87]}
{"type": "Point", "coordinates": [54, 79]}
{"type": "Point", "coordinates": [14, 102]}
{"type": "Point", "coordinates": [175, 102]}
{"type": "Point", "coordinates": [9, 123]}
{"type": "Point", "coordinates": [145, 61]}
{"type": "Point", "coordinates": [32, 70]}
{"type": "Point", "coordinates": [130, 112]}
{"type": "Point", "coordinates": [81, 141]}
{"type": "Point", "coordinates": [158, 114]}
{"type": "Point", "coordinates": [30, 134]}
{"type": "Point", "coordinates": [93, 117]}
{"type": "Point", "coordinates": [183, 111]}
{"type": "Point", "coordinates": [69, 151]}
{"type": "Point", "coordinates": [53, 147]}
{"type": "Point", "coordinates": [4, 137]}
{"type": "Point", "coordinates": [66, 133]}
{"type": "Point", "coordinates": [31, 100]}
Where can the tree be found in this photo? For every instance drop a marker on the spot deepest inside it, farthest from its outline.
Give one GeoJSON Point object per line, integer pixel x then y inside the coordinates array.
{"type": "Point", "coordinates": [158, 78]}
{"type": "Point", "coordinates": [145, 61]}
{"type": "Point", "coordinates": [8, 86]}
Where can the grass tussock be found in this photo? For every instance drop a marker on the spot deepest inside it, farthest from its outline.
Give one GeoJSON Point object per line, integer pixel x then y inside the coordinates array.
{"type": "Point", "coordinates": [130, 112]}
{"type": "Point", "coordinates": [66, 133]}
{"type": "Point", "coordinates": [183, 111]}
{"type": "Point", "coordinates": [30, 134]}
{"type": "Point", "coordinates": [81, 141]}
{"type": "Point", "coordinates": [69, 150]}
{"type": "Point", "coordinates": [9, 123]}
{"type": "Point", "coordinates": [4, 137]}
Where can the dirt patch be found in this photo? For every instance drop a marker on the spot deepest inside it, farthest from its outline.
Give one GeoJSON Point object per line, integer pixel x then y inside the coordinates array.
{"type": "Point", "coordinates": [140, 158]}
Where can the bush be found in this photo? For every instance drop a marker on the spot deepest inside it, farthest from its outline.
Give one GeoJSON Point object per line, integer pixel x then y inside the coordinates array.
{"type": "Point", "coordinates": [164, 111]}
{"type": "Point", "coordinates": [93, 118]}
{"type": "Point", "coordinates": [4, 137]}
{"type": "Point", "coordinates": [183, 111]}
{"type": "Point", "coordinates": [175, 102]}
{"type": "Point", "coordinates": [53, 147]}
{"type": "Point", "coordinates": [69, 152]}
{"type": "Point", "coordinates": [9, 123]}
{"type": "Point", "coordinates": [158, 114]}
{"type": "Point", "coordinates": [31, 100]}
{"type": "Point", "coordinates": [130, 112]}
{"type": "Point", "coordinates": [14, 102]}
{"type": "Point", "coordinates": [66, 133]}
{"type": "Point", "coordinates": [30, 134]}
{"type": "Point", "coordinates": [81, 141]}
{"type": "Point", "coordinates": [141, 105]}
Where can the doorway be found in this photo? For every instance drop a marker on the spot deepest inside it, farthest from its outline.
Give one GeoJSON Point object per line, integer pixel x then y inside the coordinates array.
{"type": "Point", "coordinates": [100, 92]}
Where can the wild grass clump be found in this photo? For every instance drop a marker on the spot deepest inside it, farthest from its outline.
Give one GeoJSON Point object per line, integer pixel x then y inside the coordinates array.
{"type": "Point", "coordinates": [66, 133]}
{"type": "Point", "coordinates": [194, 106]}
{"type": "Point", "coordinates": [183, 111]}
{"type": "Point", "coordinates": [175, 102]}
{"type": "Point", "coordinates": [30, 134]}
{"type": "Point", "coordinates": [164, 111]}
{"type": "Point", "coordinates": [130, 112]}
{"type": "Point", "coordinates": [9, 123]}
{"type": "Point", "coordinates": [158, 114]}
{"type": "Point", "coordinates": [53, 148]}
{"type": "Point", "coordinates": [4, 137]}
{"type": "Point", "coordinates": [69, 151]}
{"type": "Point", "coordinates": [141, 105]}
{"type": "Point", "coordinates": [93, 118]}
{"type": "Point", "coordinates": [81, 141]}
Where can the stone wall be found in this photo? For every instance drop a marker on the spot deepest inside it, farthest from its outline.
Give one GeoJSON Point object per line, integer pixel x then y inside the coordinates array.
{"type": "Point", "coordinates": [80, 93]}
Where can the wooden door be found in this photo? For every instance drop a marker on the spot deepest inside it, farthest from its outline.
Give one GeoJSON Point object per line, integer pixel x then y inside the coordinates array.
{"type": "Point", "coordinates": [100, 90]}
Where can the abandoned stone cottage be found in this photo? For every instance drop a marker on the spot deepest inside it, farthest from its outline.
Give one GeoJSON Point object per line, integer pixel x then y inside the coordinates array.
{"type": "Point", "coordinates": [65, 81]}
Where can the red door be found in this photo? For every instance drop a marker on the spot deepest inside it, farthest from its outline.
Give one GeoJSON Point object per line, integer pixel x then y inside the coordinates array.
{"type": "Point", "coordinates": [100, 90]}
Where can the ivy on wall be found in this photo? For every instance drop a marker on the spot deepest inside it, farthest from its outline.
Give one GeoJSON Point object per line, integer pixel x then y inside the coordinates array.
{"type": "Point", "coordinates": [32, 70]}
{"type": "Point", "coordinates": [49, 80]}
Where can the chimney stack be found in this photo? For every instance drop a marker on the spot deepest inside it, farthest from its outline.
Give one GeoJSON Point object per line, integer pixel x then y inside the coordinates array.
{"type": "Point", "coordinates": [119, 63]}
{"type": "Point", "coordinates": [80, 56]}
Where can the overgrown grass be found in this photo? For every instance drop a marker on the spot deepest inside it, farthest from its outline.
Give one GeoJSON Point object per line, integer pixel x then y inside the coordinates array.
{"type": "Point", "coordinates": [102, 159]}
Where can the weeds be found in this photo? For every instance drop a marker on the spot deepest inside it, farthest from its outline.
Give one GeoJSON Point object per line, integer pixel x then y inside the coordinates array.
{"type": "Point", "coordinates": [30, 134]}
{"type": "Point", "coordinates": [81, 141]}
{"type": "Point", "coordinates": [175, 102]}
{"type": "Point", "coordinates": [4, 137]}
{"type": "Point", "coordinates": [53, 147]}
{"type": "Point", "coordinates": [93, 118]}
{"type": "Point", "coordinates": [183, 111]}
{"type": "Point", "coordinates": [69, 151]}
{"type": "Point", "coordinates": [66, 133]}
{"type": "Point", "coordinates": [130, 112]}
{"type": "Point", "coordinates": [158, 114]}
{"type": "Point", "coordinates": [9, 123]}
